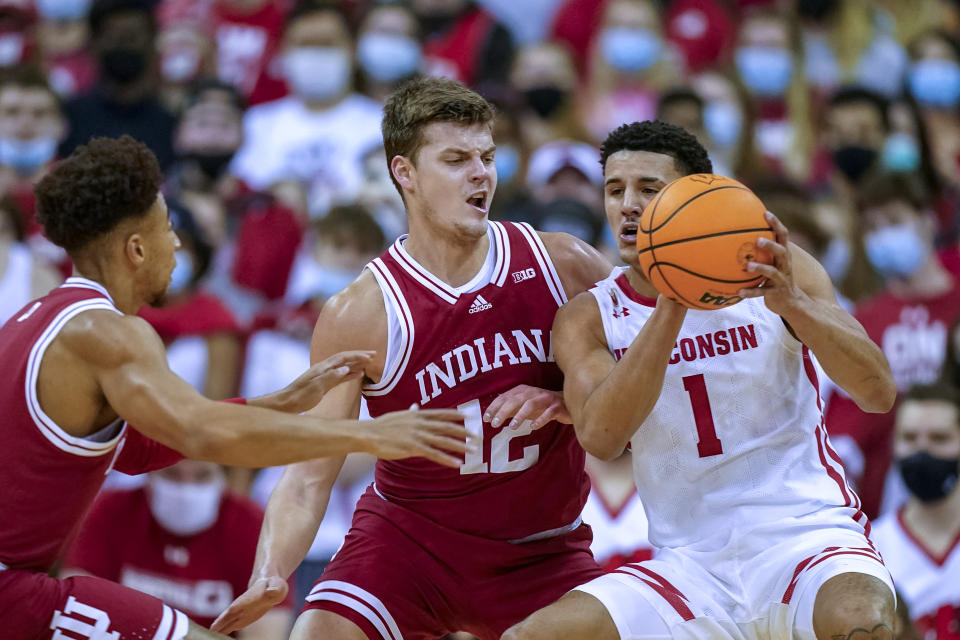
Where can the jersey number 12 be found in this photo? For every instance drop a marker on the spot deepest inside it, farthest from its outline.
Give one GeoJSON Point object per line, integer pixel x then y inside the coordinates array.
{"type": "Point", "coordinates": [500, 461]}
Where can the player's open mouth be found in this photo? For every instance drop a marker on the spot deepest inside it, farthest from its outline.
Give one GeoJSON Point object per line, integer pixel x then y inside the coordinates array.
{"type": "Point", "coordinates": [478, 201]}
{"type": "Point", "coordinates": [628, 232]}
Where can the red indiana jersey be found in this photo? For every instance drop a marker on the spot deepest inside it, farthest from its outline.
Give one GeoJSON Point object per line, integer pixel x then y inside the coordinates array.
{"type": "Point", "coordinates": [199, 574]}
{"type": "Point", "coordinates": [50, 477]}
{"type": "Point", "coordinates": [462, 347]}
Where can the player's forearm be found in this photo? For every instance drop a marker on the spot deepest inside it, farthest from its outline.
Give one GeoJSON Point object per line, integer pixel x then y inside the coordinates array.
{"type": "Point", "coordinates": [846, 353]}
{"type": "Point", "coordinates": [622, 401]}
{"type": "Point", "coordinates": [293, 515]}
{"type": "Point", "coordinates": [254, 437]}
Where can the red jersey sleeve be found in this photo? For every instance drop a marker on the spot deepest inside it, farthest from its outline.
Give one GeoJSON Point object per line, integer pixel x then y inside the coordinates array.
{"type": "Point", "coordinates": [140, 454]}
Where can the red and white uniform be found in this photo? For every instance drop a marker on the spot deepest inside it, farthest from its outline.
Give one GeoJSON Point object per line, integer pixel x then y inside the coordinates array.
{"type": "Point", "coordinates": [619, 531]}
{"type": "Point", "coordinates": [928, 583]}
{"type": "Point", "coordinates": [199, 574]}
{"type": "Point", "coordinates": [434, 550]}
{"type": "Point", "coordinates": [50, 478]}
{"type": "Point", "coordinates": [746, 500]}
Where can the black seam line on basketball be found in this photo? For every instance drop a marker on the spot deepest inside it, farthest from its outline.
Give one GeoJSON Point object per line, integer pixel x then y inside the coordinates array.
{"type": "Point", "coordinates": [703, 237]}
{"type": "Point", "coordinates": [667, 282]}
{"type": "Point", "coordinates": [701, 275]}
{"type": "Point", "coordinates": [701, 194]}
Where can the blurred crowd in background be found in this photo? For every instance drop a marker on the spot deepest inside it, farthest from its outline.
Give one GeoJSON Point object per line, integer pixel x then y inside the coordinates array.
{"type": "Point", "coordinates": [843, 116]}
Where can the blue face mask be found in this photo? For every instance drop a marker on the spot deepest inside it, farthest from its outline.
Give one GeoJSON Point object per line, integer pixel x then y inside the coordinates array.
{"type": "Point", "coordinates": [27, 155]}
{"type": "Point", "coordinates": [722, 122]}
{"type": "Point", "coordinates": [508, 162]}
{"type": "Point", "coordinates": [896, 251]}
{"type": "Point", "coordinates": [900, 153]}
{"type": "Point", "coordinates": [63, 9]}
{"type": "Point", "coordinates": [388, 58]}
{"type": "Point", "coordinates": [630, 50]}
{"type": "Point", "coordinates": [935, 83]}
{"type": "Point", "coordinates": [836, 259]}
{"type": "Point", "coordinates": [182, 273]}
{"type": "Point", "coordinates": [765, 70]}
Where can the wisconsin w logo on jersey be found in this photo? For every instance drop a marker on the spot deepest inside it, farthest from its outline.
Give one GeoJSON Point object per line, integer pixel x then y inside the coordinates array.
{"type": "Point", "coordinates": [479, 304]}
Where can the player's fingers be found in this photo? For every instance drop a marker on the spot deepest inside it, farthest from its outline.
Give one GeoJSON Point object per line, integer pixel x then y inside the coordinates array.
{"type": "Point", "coordinates": [768, 271]}
{"type": "Point", "coordinates": [450, 430]}
{"type": "Point", "coordinates": [779, 229]}
{"type": "Point", "coordinates": [444, 415]}
{"type": "Point", "coordinates": [494, 406]}
{"type": "Point", "coordinates": [444, 443]}
{"type": "Point", "coordinates": [753, 292]}
{"type": "Point", "coordinates": [774, 248]}
{"type": "Point", "coordinates": [508, 408]}
{"type": "Point", "coordinates": [556, 411]}
{"type": "Point", "coordinates": [441, 457]}
{"type": "Point", "coordinates": [529, 410]}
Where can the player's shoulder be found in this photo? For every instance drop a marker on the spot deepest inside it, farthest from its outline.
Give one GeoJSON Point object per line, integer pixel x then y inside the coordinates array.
{"type": "Point", "coordinates": [355, 318]}
{"type": "Point", "coordinates": [580, 311]}
{"type": "Point", "coordinates": [578, 264]}
{"type": "Point", "coordinates": [107, 337]}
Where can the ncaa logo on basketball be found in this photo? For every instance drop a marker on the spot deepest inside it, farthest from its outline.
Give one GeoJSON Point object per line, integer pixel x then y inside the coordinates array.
{"type": "Point", "coordinates": [526, 274]}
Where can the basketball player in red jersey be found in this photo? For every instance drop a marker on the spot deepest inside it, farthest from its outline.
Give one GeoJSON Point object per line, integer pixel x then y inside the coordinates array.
{"type": "Point", "coordinates": [459, 313]}
{"type": "Point", "coordinates": [79, 365]}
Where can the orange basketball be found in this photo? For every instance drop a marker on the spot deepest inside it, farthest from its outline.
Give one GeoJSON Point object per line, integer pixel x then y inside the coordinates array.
{"type": "Point", "coordinates": [696, 237]}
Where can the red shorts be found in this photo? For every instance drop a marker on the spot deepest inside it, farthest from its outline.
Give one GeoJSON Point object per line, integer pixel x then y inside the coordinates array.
{"type": "Point", "coordinates": [400, 575]}
{"type": "Point", "coordinates": [34, 606]}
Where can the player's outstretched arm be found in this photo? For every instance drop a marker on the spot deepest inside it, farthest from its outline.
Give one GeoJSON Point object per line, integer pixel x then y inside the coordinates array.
{"type": "Point", "coordinates": [609, 400]}
{"type": "Point", "coordinates": [798, 288]}
{"type": "Point", "coordinates": [126, 359]}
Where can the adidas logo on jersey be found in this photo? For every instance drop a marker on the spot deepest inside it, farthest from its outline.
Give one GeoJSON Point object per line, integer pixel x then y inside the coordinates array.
{"type": "Point", "coordinates": [479, 304]}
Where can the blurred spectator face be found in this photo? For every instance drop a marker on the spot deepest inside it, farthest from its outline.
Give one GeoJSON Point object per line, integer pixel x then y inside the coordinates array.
{"type": "Point", "coordinates": [185, 498]}
{"type": "Point", "coordinates": [210, 132]}
{"type": "Point", "coordinates": [855, 135]}
{"type": "Point", "coordinates": [387, 49]}
{"type": "Point", "coordinates": [183, 49]}
{"type": "Point", "coordinates": [31, 125]}
{"type": "Point", "coordinates": [124, 46]}
{"type": "Point", "coordinates": [927, 447]}
{"type": "Point", "coordinates": [564, 178]}
{"type": "Point", "coordinates": [722, 110]}
{"type": "Point", "coordinates": [763, 56]}
{"type": "Point", "coordinates": [934, 75]}
{"type": "Point", "coordinates": [898, 239]}
{"type": "Point", "coordinates": [546, 76]}
{"type": "Point", "coordinates": [318, 56]}
{"type": "Point", "coordinates": [685, 113]}
{"type": "Point", "coordinates": [631, 37]}
{"type": "Point", "coordinates": [901, 150]}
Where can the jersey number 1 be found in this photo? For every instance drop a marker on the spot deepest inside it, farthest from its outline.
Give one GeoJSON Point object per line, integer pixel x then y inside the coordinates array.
{"type": "Point", "coordinates": [708, 444]}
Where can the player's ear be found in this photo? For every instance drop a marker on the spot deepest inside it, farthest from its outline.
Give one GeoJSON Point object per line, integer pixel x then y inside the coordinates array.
{"type": "Point", "coordinates": [403, 171]}
{"type": "Point", "coordinates": [134, 249]}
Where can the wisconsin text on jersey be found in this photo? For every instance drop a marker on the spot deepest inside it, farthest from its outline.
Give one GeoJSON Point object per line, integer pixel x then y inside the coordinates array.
{"type": "Point", "coordinates": [469, 359]}
{"type": "Point", "coordinates": [710, 345]}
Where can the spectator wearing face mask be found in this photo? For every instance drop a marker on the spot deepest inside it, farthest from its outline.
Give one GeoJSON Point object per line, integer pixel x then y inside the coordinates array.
{"type": "Point", "coordinates": [63, 35]}
{"type": "Point", "coordinates": [920, 542]}
{"type": "Point", "coordinates": [769, 62]}
{"type": "Point", "coordinates": [307, 148]}
{"type": "Point", "coordinates": [23, 277]}
{"type": "Point", "coordinates": [388, 48]}
{"type": "Point", "coordinates": [933, 81]}
{"type": "Point", "coordinates": [546, 108]}
{"type": "Point", "coordinates": [201, 334]}
{"type": "Point", "coordinates": [630, 63]}
{"type": "Point", "coordinates": [729, 124]}
{"type": "Point", "coordinates": [184, 539]}
{"type": "Point", "coordinates": [857, 124]}
{"type": "Point", "coordinates": [909, 318]}
{"type": "Point", "coordinates": [125, 100]}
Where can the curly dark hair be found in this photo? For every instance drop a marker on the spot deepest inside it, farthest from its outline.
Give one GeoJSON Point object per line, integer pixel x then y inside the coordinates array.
{"type": "Point", "coordinates": [95, 188]}
{"type": "Point", "coordinates": [658, 137]}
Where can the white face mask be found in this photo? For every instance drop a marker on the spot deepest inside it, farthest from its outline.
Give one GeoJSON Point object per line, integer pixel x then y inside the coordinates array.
{"type": "Point", "coordinates": [317, 73]}
{"type": "Point", "coordinates": [185, 508]}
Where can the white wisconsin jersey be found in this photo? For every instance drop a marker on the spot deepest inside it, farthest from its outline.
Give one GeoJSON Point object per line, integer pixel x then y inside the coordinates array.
{"type": "Point", "coordinates": [736, 442]}
{"type": "Point", "coordinates": [930, 585]}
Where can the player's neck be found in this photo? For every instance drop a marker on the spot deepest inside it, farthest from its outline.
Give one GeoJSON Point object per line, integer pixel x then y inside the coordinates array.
{"type": "Point", "coordinates": [640, 284]}
{"type": "Point", "coordinates": [121, 290]}
{"type": "Point", "coordinates": [455, 263]}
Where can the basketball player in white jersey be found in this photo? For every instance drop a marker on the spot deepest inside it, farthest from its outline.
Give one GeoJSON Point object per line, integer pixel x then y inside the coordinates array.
{"type": "Point", "coordinates": [757, 534]}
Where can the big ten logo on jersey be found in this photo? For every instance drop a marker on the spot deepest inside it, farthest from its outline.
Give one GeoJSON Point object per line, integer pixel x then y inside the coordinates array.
{"type": "Point", "coordinates": [82, 621]}
{"type": "Point", "coordinates": [916, 347]}
{"type": "Point", "coordinates": [526, 274]}
{"type": "Point", "coordinates": [473, 358]}
{"type": "Point", "coordinates": [500, 460]}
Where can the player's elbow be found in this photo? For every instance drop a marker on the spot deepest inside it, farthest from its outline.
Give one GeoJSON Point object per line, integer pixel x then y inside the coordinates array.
{"type": "Point", "coordinates": [600, 444]}
{"type": "Point", "coordinates": [879, 397]}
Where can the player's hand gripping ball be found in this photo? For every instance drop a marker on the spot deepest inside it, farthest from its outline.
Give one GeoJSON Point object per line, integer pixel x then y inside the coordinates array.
{"type": "Point", "coordinates": [696, 237]}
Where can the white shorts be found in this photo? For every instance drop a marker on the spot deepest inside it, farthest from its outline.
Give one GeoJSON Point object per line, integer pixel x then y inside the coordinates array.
{"type": "Point", "coordinates": [764, 592]}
